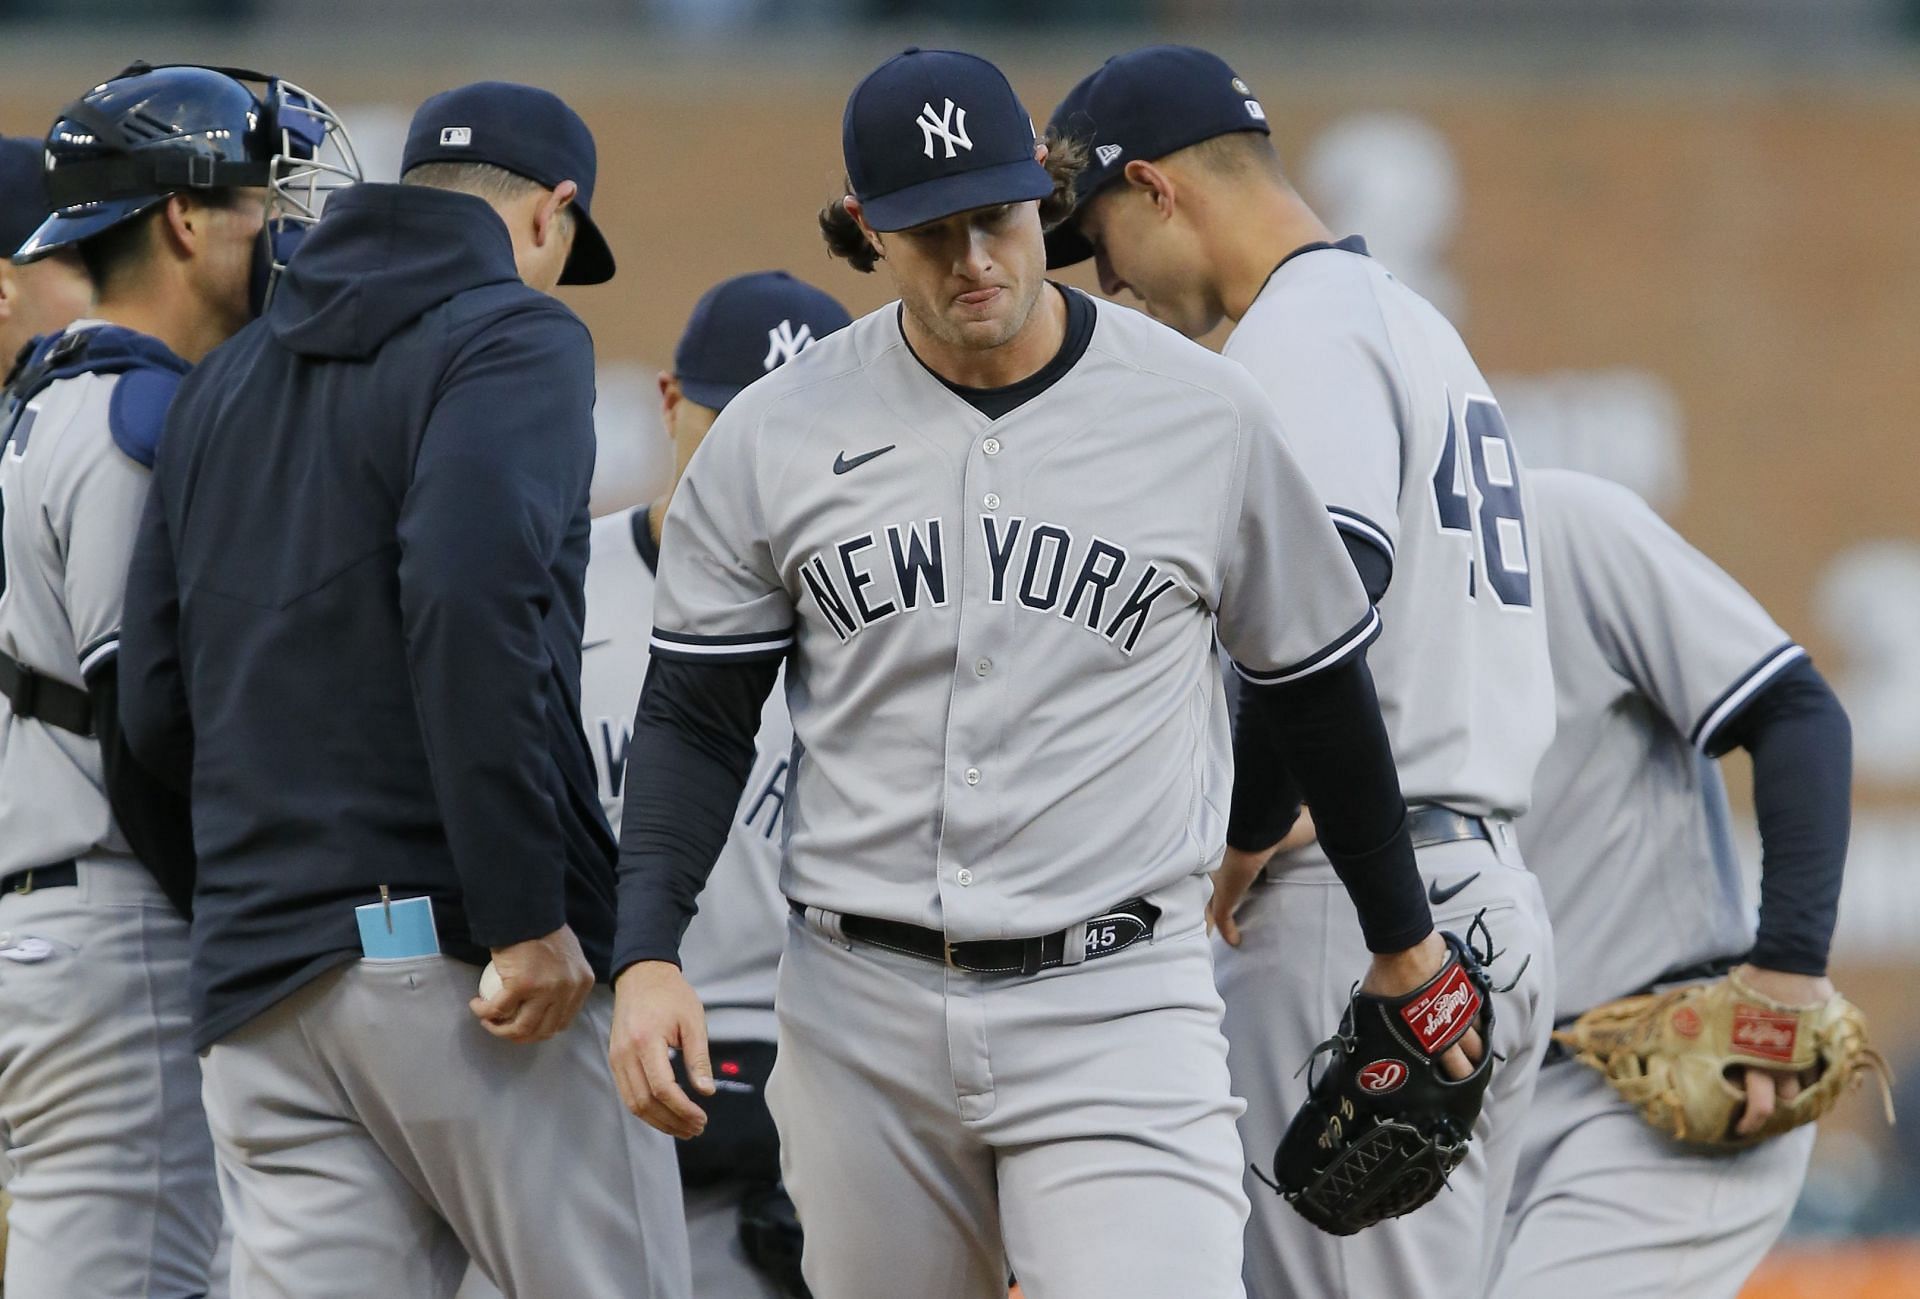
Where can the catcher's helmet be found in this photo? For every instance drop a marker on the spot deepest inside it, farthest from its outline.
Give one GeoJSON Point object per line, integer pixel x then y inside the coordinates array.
{"type": "Point", "coordinates": [150, 132]}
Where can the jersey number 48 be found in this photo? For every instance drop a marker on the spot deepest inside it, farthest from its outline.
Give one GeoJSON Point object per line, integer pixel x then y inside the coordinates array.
{"type": "Point", "coordinates": [1500, 525]}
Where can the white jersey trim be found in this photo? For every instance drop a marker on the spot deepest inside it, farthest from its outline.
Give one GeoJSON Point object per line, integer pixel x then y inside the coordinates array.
{"type": "Point", "coordinates": [1361, 526]}
{"type": "Point", "coordinates": [99, 653]}
{"type": "Point", "coordinates": [1354, 641]}
{"type": "Point", "coordinates": [751, 645]}
{"type": "Point", "coordinates": [1736, 695]}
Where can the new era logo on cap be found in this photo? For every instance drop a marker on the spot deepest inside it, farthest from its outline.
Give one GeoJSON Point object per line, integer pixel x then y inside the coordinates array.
{"type": "Point", "coordinates": [1107, 153]}
{"type": "Point", "coordinates": [456, 137]}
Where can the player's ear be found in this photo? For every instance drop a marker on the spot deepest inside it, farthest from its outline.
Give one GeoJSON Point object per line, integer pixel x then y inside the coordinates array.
{"type": "Point", "coordinates": [183, 220]}
{"type": "Point", "coordinates": [670, 396]}
{"type": "Point", "coordinates": [548, 212]}
{"type": "Point", "coordinates": [1153, 183]}
{"type": "Point", "coordinates": [854, 210]}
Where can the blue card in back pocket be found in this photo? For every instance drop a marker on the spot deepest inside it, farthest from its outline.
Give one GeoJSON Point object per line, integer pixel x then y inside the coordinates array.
{"type": "Point", "coordinates": [392, 931]}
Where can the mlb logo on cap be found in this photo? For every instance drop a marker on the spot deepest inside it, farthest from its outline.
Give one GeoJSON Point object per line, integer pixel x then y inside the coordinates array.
{"type": "Point", "coordinates": [456, 137]}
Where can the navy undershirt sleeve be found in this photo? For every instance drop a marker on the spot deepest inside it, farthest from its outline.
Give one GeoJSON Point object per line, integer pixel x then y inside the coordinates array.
{"type": "Point", "coordinates": [687, 763]}
{"type": "Point", "coordinates": [1373, 564]}
{"type": "Point", "coordinates": [1802, 749]}
{"type": "Point", "coordinates": [1326, 731]}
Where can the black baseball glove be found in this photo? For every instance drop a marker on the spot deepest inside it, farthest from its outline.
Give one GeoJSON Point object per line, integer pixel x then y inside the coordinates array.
{"type": "Point", "coordinates": [1383, 1126]}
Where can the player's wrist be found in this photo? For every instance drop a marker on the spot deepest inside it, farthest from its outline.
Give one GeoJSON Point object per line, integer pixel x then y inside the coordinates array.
{"type": "Point", "coordinates": [1396, 973]}
{"type": "Point", "coordinates": [644, 972]}
{"type": "Point", "coordinates": [1785, 986]}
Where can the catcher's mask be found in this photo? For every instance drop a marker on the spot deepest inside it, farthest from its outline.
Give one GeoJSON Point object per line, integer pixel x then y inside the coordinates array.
{"type": "Point", "coordinates": [151, 131]}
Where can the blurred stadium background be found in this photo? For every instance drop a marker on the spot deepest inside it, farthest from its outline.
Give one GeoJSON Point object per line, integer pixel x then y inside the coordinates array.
{"type": "Point", "coordinates": [1679, 235]}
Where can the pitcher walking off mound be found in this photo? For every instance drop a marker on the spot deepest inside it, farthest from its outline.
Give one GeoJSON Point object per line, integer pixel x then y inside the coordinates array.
{"type": "Point", "coordinates": [992, 530]}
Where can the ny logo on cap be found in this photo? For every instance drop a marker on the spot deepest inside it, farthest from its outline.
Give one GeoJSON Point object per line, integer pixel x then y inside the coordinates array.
{"type": "Point", "coordinates": [1107, 153]}
{"type": "Point", "coordinates": [456, 136]}
{"type": "Point", "coordinates": [783, 344]}
{"type": "Point", "coordinates": [950, 126]}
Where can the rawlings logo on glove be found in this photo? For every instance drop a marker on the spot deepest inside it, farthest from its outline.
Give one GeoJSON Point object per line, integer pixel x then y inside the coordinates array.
{"type": "Point", "coordinates": [1668, 1054]}
{"type": "Point", "coordinates": [1383, 1126]}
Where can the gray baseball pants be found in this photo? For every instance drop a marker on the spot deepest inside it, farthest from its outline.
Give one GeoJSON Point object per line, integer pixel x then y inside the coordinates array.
{"type": "Point", "coordinates": [112, 1170]}
{"type": "Point", "coordinates": [1604, 1207]}
{"type": "Point", "coordinates": [1285, 987]}
{"type": "Point", "coordinates": [373, 1138]}
{"type": "Point", "coordinates": [938, 1127]}
{"type": "Point", "coordinates": [721, 1269]}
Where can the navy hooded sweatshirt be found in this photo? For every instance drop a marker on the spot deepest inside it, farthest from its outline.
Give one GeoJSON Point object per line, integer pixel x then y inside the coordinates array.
{"type": "Point", "coordinates": [353, 615]}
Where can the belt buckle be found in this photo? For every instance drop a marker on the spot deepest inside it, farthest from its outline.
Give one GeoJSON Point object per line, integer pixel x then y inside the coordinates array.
{"type": "Point", "coordinates": [946, 953]}
{"type": "Point", "coordinates": [25, 886]}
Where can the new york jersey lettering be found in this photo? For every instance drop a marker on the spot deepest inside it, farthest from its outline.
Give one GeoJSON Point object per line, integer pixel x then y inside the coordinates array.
{"type": "Point", "coordinates": [853, 585]}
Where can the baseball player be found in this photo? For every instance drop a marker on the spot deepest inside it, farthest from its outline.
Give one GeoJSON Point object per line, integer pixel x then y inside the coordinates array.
{"type": "Point", "coordinates": [353, 619]}
{"type": "Point", "coordinates": [1184, 205]}
{"type": "Point", "coordinates": [39, 299]}
{"type": "Point", "coordinates": [114, 1186]}
{"type": "Point", "coordinates": [741, 329]}
{"type": "Point", "coordinates": [46, 295]}
{"type": "Point", "coordinates": [991, 529]}
{"type": "Point", "coordinates": [1661, 664]}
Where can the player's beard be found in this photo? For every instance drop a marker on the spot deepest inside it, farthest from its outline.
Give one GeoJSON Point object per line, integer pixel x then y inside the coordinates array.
{"type": "Point", "coordinates": [981, 334]}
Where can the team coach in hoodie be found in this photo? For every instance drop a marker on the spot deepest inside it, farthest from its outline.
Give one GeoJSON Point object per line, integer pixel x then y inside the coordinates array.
{"type": "Point", "coordinates": [353, 629]}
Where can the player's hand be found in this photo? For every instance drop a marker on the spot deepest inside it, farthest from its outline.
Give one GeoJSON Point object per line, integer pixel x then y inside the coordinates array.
{"type": "Point", "coordinates": [1398, 973]}
{"type": "Point", "coordinates": [656, 1010]}
{"type": "Point", "coordinates": [1767, 1087]}
{"type": "Point", "coordinates": [543, 984]}
{"type": "Point", "coordinates": [1238, 870]}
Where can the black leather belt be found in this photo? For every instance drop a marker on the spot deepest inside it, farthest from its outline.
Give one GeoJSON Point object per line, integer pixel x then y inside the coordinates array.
{"type": "Point", "coordinates": [1107, 933]}
{"type": "Point", "coordinates": [59, 875]}
{"type": "Point", "coordinates": [1713, 968]}
{"type": "Point", "coordinates": [1429, 824]}
{"type": "Point", "coordinates": [44, 698]}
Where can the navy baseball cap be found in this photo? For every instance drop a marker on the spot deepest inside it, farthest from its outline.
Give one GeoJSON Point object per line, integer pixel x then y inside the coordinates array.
{"type": "Point", "coordinates": [527, 131]}
{"type": "Point", "coordinates": [1145, 104]}
{"type": "Point", "coordinates": [749, 326]}
{"type": "Point", "coordinates": [932, 132]}
{"type": "Point", "coordinates": [23, 192]}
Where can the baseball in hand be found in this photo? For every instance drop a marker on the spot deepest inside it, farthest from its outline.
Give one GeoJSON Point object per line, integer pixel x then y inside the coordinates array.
{"type": "Point", "coordinates": [490, 984]}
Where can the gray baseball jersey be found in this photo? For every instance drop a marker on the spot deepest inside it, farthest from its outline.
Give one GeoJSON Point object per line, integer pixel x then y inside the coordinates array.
{"type": "Point", "coordinates": [1400, 433]}
{"type": "Point", "coordinates": [72, 504]}
{"type": "Point", "coordinates": [1654, 647]}
{"type": "Point", "coordinates": [99, 1091]}
{"type": "Point", "coordinates": [731, 952]}
{"type": "Point", "coordinates": [1002, 673]}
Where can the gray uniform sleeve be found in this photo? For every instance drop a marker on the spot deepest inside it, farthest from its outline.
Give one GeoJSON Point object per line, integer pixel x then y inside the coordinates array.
{"type": "Point", "coordinates": [96, 516]}
{"type": "Point", "coordinates": [1337, 394]}
{"type": "Point", "coordinates": [1667, 617]}
{"type": "Point", "coordinates": [720, 598]}
{"type": "Point", "coordinates": [1290, 603]}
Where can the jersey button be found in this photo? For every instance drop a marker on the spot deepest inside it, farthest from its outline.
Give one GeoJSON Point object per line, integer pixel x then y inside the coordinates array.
{"type": "Point", "coordinates": [991, 446]}
{"type": "Point", "coordinates": [991, 501]}
{"type": "Point", "coordinates": [964, 875]}
{"type": "Point", "coordinates": [973, 775]}
{"type": "Point", "coordinates": [983, 667]}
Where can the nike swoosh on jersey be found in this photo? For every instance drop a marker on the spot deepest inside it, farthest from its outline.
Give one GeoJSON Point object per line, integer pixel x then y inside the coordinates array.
{"type": "Point", "coordinates": [1437, 895]}
{"type": "Point", "coordinates": [596, 644]}
{"type": "Point", "coordinates": [841, 464]}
